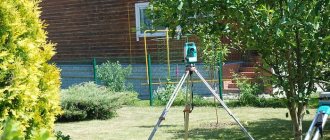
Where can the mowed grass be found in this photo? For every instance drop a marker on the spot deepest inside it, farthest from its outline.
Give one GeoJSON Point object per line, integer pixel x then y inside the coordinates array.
{"type": "Point", "coordinates": [136, 123]}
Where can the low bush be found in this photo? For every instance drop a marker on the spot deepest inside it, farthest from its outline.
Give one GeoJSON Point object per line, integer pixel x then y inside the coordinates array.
{"type": "Point", "coordinates": [163, 94]}
{"type": "Point", "coordinates": [260, 102]}
{"type": "Point", "coordinates": [60, 136]}
{"type": "Point", "coordinates": [88, 101]}
{"type": "Point", "coordinates": [249, 95]}
{"type": "Point", "coordinates": [248, 91]}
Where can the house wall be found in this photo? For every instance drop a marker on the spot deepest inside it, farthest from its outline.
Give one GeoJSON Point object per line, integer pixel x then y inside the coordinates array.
{"type": "Point", "coordinates": [105, 30]}
{"type": "Point", "coordinates": [83, 29]}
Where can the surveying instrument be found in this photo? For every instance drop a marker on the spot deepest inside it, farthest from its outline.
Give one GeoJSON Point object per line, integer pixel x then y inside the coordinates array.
{"type": "Point", "coordinates": [190, 58]}
{"type": "Point", "coordinates": [315, 130]}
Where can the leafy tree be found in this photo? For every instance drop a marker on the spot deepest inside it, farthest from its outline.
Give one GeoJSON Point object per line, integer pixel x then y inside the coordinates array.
{"type": "Point", "coordinates": [289, 35]}
{"type": "Point", "coordinates": [29, 86]}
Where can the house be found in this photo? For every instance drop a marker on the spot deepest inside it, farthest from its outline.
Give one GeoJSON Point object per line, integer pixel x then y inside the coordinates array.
{"type": "Point", "coordinates": [113, 30]}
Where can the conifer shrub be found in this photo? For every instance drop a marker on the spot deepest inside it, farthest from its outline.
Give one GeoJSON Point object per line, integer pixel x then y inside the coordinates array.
{"type": "Point", "coordinates": [87, 101]}
{"type": "Point", "coordinates": [29, 86]}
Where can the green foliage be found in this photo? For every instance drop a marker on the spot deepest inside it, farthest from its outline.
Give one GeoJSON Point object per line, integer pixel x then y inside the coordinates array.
{"type": "Point", "coordinates": [285, 33]}
{"type": "Point", "coordinates": [325, 84]}
{"type": "Point", "coordinates": [259, 102]}
{"type": "Point", "coordinates": [246, 86]}
{"type": "Point", "coordinates": [248, 91]}
{"type": "Point", "coordinates": [249, 95]}
{"type": "Point", "coordinates": [12, 131]}
{"type": "Point", "coordinates": [59, 136]}
{"type": "Point", "coordinates": [29, 86]}
{"type": "Point", "coordinates": [313, 102]}
{"type": "Point", "coordinates": [291, 37]}
{"type": "Point", "coordinates": [90, 101]}
{"type": "Point", "coordinates": [176, 13]}
{"type": "Point", "coordinates": [163, 94]}
{"type": "Point", "coordinates": [113, 75]}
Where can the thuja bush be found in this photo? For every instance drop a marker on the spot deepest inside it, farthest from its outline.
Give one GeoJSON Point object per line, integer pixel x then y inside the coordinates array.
{"type": "Point", "coordinates": [29, 86]}
{"type": "Point", "coordinates": [88, 101]}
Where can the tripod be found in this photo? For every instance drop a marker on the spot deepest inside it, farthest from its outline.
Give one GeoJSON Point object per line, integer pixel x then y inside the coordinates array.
{"type": "Point", "coordinates": [189, 70]}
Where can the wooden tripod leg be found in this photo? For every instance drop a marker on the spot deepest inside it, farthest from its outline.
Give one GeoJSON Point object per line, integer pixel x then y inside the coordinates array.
{"type": "Point", "coordinates": [188, 106]}
{"type": "Point", "coordinates": [187, 111]}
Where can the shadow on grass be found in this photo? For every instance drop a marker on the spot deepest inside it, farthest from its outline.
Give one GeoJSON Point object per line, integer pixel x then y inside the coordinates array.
{"type": "Point", "coordinates": [265, 129]}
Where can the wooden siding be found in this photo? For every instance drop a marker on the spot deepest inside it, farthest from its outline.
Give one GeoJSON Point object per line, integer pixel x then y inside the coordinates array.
{"type": "Point", "coordinates": [83, 29]}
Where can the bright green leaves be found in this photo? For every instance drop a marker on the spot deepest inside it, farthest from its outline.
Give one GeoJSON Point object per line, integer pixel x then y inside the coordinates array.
{"type": "Point", "coordinates": [11, 131]}
{"type": "Point", "coordinates": [327, 39]}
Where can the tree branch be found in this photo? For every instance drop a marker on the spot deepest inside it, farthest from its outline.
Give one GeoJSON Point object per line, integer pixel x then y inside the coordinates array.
{"type": "Point", "coordinates": [299, 71]}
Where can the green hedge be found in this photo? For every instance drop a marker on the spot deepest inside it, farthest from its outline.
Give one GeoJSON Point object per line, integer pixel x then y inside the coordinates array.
{"type": "Point", "coordinates": [88, 101]}
{"type": "Point", "coordinates": [259, 102]}
{"type": "Point", "coordinates": [163, 93]}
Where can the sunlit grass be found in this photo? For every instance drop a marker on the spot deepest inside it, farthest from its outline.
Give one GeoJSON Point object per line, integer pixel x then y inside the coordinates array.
{"type": "Point", "coordinates": [137, 123]}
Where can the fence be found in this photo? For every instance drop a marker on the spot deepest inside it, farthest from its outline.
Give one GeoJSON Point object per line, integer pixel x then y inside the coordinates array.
{"type": "Point", "coordinates": [167, 63]}
{"type": "Point", "coordinates": [77, 73]}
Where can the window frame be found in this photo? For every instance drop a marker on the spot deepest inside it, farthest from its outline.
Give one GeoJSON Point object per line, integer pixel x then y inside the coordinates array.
{"type": "Point", "coordinates": [138, 7]}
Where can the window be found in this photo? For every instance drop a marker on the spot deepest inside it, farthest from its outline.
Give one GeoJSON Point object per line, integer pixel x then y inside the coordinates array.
{"type": "Point", "coordinates": [143, 23]}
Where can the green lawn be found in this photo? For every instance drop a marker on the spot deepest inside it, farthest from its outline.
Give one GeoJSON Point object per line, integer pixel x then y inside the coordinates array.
{"type": "Point", "coordinates": [137, 123]}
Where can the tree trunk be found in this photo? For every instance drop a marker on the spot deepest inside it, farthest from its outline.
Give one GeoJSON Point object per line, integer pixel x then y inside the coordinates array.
{"type": "Point", "coordinates": [298, 130]}
{"type": "Point", "coordinates": [297, 114]}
